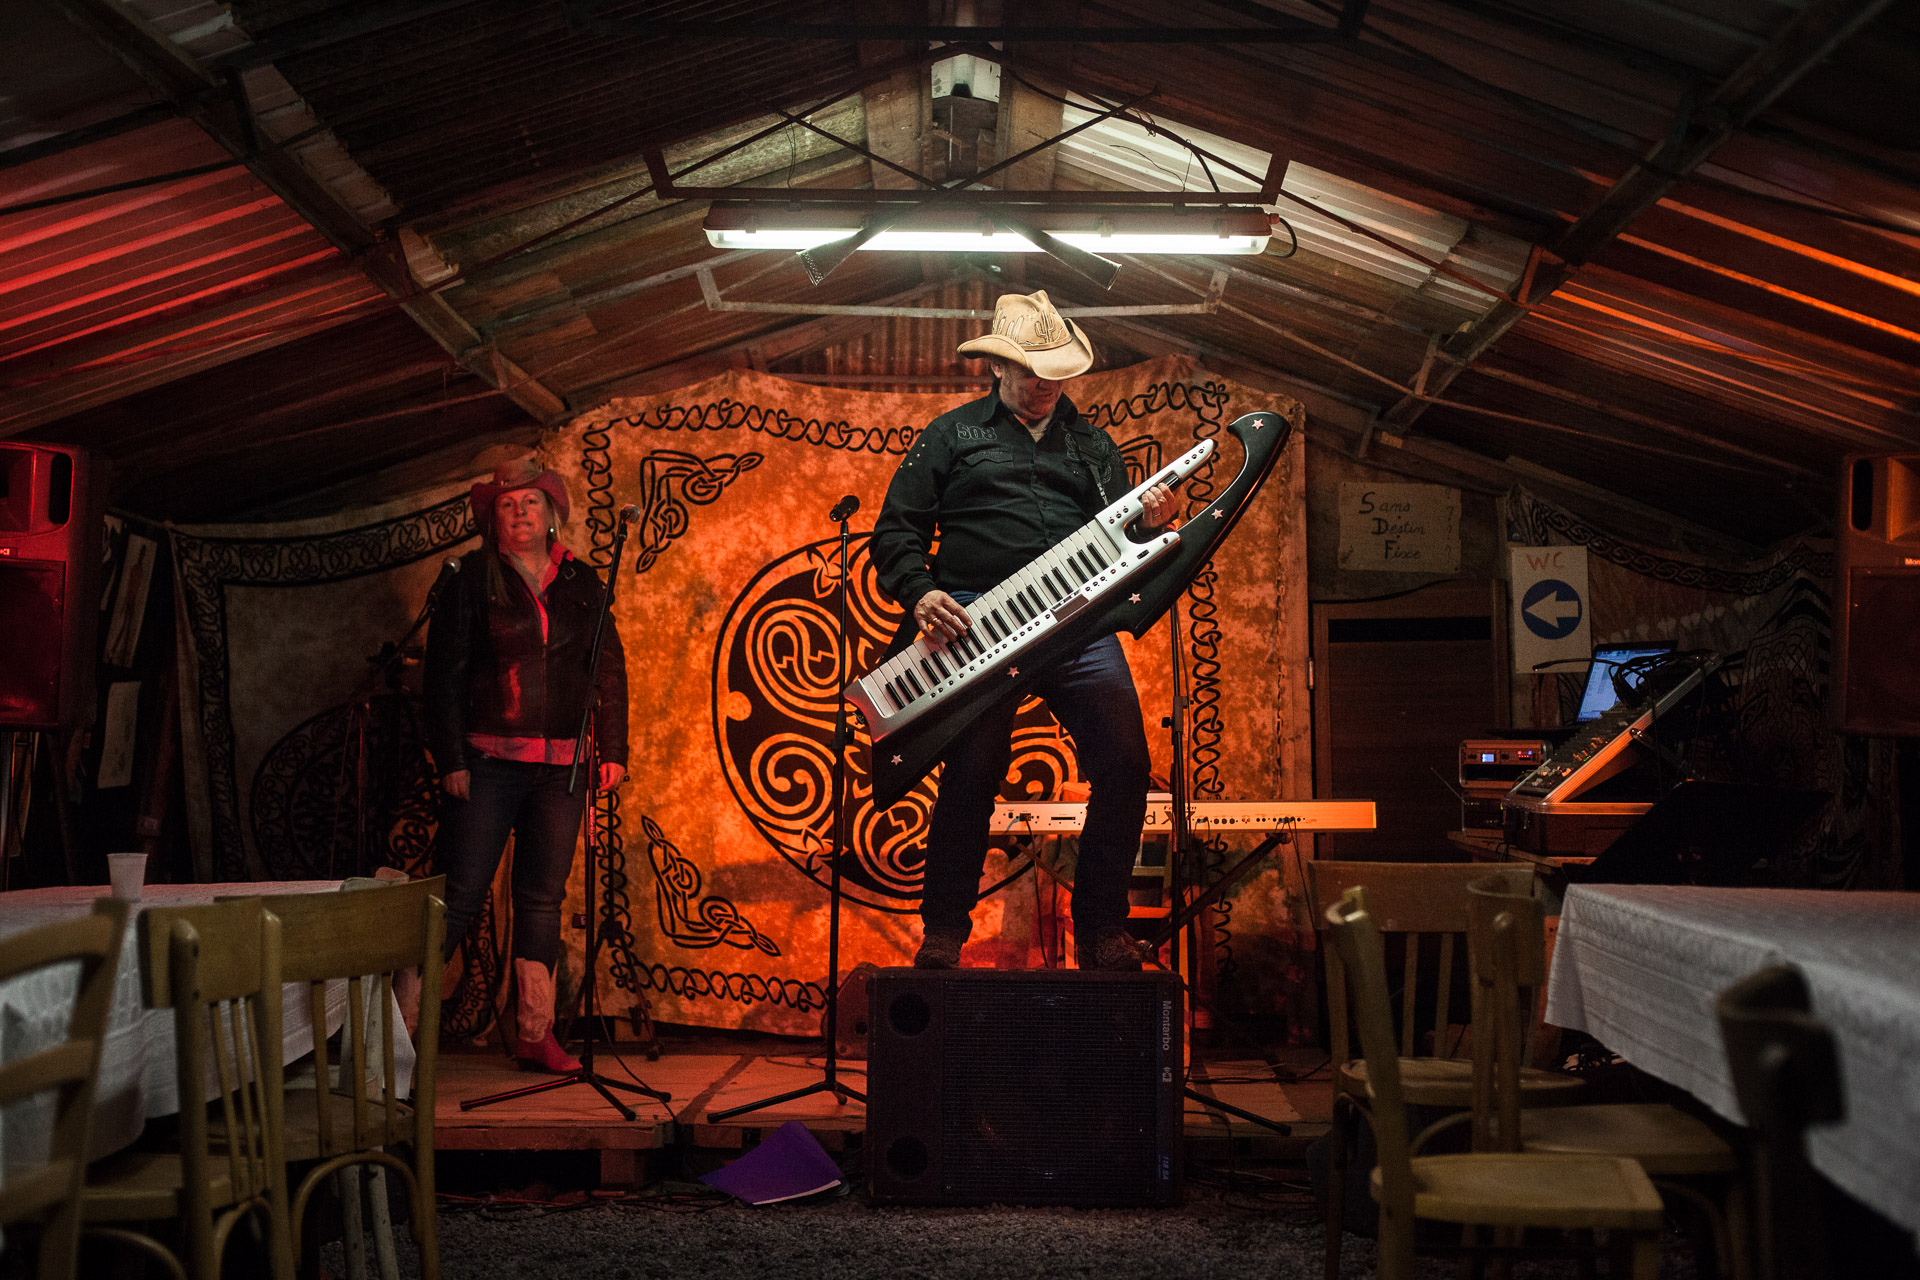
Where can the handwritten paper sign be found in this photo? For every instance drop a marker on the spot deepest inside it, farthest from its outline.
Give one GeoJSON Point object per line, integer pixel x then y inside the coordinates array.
{"type": "Point", "coordinates": [1400, 528]}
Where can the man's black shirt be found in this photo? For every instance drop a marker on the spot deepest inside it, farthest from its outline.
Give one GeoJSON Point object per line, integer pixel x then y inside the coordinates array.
{"type": "Point", "coordinates": [995, 498]}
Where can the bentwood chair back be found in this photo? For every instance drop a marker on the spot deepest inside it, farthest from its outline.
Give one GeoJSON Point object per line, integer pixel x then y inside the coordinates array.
{"type": "Point", "coordinates": [69, 1070]}
{"type": "Point", "coordinates": [1426, 904]}
{"type": "Point", "coordinates": [217, 967]}
{"type": "Point", "coordinates": [1495, 1190]}
{"type": "Point", "coordinates": [1786, 1073]}
{"type": "Point", "coordinates": [354, 1111]}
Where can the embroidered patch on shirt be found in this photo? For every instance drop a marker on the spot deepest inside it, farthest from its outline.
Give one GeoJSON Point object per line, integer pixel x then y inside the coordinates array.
{"type": "Point", "coordinates": [974, 435]}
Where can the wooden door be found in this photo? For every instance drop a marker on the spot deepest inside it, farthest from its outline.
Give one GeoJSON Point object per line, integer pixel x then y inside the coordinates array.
{"type": "Point", "coordinates": [1397, 684]}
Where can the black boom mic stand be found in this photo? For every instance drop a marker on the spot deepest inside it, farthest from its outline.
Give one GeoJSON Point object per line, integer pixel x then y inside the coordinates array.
{"type": "Point", "coordinates": [595, 835]}
{"type": "Point", "coordinates": [830, 1082]}
{"type": "Point", "coordinates": [1187, 875]}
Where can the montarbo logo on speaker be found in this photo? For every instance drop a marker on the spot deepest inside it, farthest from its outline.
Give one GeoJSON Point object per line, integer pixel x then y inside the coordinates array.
{"type": "Point", "coordinates": [1166, 1025]}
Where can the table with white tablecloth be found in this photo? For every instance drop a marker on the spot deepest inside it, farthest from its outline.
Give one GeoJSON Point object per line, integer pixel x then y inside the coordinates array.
{"type": "Point", "coordinates": [1639, 967]}
{"type": "Point", "coordinates": [137, 1077]}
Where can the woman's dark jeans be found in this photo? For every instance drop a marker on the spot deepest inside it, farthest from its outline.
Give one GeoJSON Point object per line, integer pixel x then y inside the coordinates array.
{"type": "Point", "coordinates": [531, 802]}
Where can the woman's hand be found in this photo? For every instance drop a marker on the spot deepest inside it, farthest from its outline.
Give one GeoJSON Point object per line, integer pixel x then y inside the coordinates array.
{"type": "Point", "coordinates": [458, 784]}
{"type": "Point", "coordinates": [612, 775]}
{"type": "Point", "coordinates": [1160, 506]}
{"type": "Point", "coordinates": [941, 618]}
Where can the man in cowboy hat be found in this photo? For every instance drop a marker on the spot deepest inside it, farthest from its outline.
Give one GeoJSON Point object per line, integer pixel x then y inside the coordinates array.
{"type": "Point", "coordinates": [997, 482]}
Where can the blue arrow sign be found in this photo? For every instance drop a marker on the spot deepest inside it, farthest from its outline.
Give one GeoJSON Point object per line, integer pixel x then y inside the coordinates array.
{"type": "Point", "coordinates": [1552, 609]}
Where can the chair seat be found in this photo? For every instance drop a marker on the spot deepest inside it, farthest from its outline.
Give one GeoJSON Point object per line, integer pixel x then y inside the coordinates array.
{"type": "Point", "coordinates": [1666, 1141]}
{"type": "Point", "coordinates": [1500, 1190]}
{"type": "Point", "coordinates": [141, 1186]}
{"type": "Point", "coordinates": [302, 1125]}
{"type": "Point", "coordinates": [1448, 1082]}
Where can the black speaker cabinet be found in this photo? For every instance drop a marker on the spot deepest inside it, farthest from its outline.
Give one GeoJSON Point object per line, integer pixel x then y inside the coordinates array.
{"type": "Point", "coordinates": [50, 527]}
{"type": "Point", "coordinates": [1876, 668]}
{"type": "Point", "coordinates": [1024, 1087]}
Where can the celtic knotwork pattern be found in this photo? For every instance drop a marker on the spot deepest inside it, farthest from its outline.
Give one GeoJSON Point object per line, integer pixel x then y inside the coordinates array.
{"type": "Point", "coordinates": [727, 414]}
{"type": "Point", "coordinates": [685, 916]}
{"type": "Point", "coordinates": [1532, 521]}
{"type": "Point", "coordinates": [668, 482]}
{"type": "Point", "coordinates": [777, 677]}
{"type": "Point", "coordinates": [1202, 643]}
{"type": "Point", "coordinates": [346, 792]}
{"type": "Point", "coordinates": [615, 906]}
{"type": "Point", "coordinates": [206, 567]}
{"type": "Point", "coordinates": [469, 1012]}
{"type": "Point", "coordinates": [1207, 401]}
{"type": "Point", "coordinates": [736, 988]}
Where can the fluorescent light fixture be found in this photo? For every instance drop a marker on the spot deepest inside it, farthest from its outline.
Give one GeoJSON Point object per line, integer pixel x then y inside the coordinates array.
{"type": "Point", "coordinates": [975, 229]}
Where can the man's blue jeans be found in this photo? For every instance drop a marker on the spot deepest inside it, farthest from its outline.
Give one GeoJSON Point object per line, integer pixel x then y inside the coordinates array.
{"type": "Point", "coordinates": [1091, 694]}
{"type": "Point", "coordinates": [531, 802]}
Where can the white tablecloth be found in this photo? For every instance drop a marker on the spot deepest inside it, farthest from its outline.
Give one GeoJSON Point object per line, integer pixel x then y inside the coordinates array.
{"type": "Point", "coordinates": [137, 1078]}
{"type": "Point", "coordinates": [1639, 966]}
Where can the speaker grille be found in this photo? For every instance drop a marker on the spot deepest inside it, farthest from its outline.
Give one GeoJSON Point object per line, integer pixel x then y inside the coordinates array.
{"type": "Point", "coordinates": [1882, 676]}
{"type": "Point", "coordinates": [1049, 1092]}
{"type": "Point", "coordinates": [32, 605]}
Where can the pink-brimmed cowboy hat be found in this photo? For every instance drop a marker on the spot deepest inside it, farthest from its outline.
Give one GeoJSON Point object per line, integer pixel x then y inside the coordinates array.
{"type": "Point", "coordinates": [520, 473]}
{"type": "Point", "coordinates": [1028, 331]}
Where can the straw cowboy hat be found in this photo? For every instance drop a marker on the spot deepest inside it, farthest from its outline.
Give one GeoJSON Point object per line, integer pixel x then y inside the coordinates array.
{"type": "Point", "coordinates": [520, 473]}
{"type": "Point", "coordinates": [1028, 331]}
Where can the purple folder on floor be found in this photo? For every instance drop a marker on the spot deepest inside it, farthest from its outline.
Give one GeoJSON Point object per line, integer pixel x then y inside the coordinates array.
{"type": "Point", "coordinates": [788, 1163]}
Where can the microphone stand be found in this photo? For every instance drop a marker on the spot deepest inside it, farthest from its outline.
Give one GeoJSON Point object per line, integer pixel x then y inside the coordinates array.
{"type": "Point", "coordinates": [586, 1074]}
{"type": "Point", "coordinates": [359, 704]}
{"type": "Point", "coordinates": [830, 1082]}
{"type": "Point", "coordinates": [1181, 852]}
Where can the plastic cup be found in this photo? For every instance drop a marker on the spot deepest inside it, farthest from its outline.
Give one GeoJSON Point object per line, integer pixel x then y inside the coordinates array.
{"type": "Point", "coordinates": [128, 872]}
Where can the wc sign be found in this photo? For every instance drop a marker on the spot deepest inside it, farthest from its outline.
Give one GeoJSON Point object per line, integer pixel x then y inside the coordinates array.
{"type": "Point", "coordinates": [1549, 595]}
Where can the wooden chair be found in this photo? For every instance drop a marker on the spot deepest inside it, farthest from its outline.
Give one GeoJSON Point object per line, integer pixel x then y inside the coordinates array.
{"type": "Point", "coordinates": [1507, 956]}
{"type": "Point", "coordinates": [354, 1110]}
{"type": "Point", "coordinates": [1480, 1189]}
{"type": "Point", "coordinates": [51, 1194]}
{"type": "Point", "coordinates": [1426, 903]}
{"type": "Point", "coordinates": [1786, 1073]}
{"type": "Point", "coordinates": [218, 968]}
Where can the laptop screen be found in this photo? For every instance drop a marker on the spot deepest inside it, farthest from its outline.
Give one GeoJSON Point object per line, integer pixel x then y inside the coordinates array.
{"type": "Point", "coordinates": [1598, 697]}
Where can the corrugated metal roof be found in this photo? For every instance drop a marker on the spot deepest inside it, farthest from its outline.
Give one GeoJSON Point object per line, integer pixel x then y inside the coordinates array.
{"type": "Point", "coordinates": [103, 296]}
{"type": "Point", "coordinates": [496, 90]}
{"type": "Point", "coordinates": [1716, 358]}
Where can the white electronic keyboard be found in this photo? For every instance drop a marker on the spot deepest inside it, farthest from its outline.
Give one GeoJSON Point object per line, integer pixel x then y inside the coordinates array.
{"type": "Point", "coordinates": [1091, 563]}
{"type": "Point", "coordinates": [1055, 817]}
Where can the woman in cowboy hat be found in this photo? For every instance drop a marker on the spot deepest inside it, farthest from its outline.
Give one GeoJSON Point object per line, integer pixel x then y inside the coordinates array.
{"type": "Point", "coordinates": [506, 683]}
{"type": "Point", "coordinates": [998, 482]}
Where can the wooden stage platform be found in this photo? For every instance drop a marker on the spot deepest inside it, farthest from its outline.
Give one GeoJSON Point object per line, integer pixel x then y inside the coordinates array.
{"type": "Point", "coordinates": [701, 1080]}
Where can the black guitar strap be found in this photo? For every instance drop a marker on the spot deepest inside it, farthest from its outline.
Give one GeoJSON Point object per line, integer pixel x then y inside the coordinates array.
{"type": "Point", "coordinates": [1073, 451]}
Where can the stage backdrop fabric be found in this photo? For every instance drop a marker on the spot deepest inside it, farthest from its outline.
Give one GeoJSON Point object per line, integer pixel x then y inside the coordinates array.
{"type": "Point", "coordinates": [714, 894]}
{"type": "Point", "coordinates": [725, 606]}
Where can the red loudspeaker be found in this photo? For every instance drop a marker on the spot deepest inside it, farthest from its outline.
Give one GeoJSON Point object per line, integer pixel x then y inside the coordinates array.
{"type": "Point", "coordinates": [50, 531]}
{"type": "Point", "coordinates": [1876, 668]}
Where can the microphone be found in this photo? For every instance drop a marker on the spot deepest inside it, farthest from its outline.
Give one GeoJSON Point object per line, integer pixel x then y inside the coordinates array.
{"type": "Point", "coordinates": [629, 513]}
{"type": "Point", "coordinates": [449, 570]}
{"type": "Point", "coordinates": [844, 508]}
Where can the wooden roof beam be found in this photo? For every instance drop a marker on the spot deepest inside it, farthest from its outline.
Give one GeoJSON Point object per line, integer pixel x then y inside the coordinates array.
{"type": "Point", "coordinates": [1698, 131]}
{"type": "Point", "coordinates": [1283, 32]}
